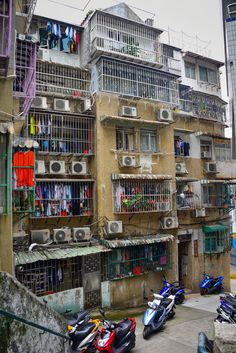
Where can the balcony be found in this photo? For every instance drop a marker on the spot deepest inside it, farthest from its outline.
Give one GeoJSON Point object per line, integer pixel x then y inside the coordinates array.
{"type": "Point", "coordinates": [136, 81]}
{"type": "Point", "coordinates": [5, 35]}
{"type": "Point", "coordinates": [133, 195]}
{"type": "Point", "coordinates": [217, 194]}
{"type": "Point", "coordinates": [62, 81]}
{"type": "Point", "coordinates": [130, 40]}
{"type": "Point", "coordinates": [186, 198]}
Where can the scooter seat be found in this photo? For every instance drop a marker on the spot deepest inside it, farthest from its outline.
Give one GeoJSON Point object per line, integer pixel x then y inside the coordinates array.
{"type": "Point", "coordinates": [166, 302]}
{"type": "Point", "coordinates": [160, 310]}
{"type": "Point", "coordinates": [77, 318]}
{"type": "Point", "coordinates": [83, 331]}
{"type": "Point", "coordinates": [174, 290]}
{"type": "Point", "coordinates": [123, 329]}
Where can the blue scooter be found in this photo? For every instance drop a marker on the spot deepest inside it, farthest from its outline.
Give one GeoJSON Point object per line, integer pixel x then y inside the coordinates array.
{"type": "Point", "coordinates": [173, 289]}
{"type": "Point", "coordinates": [154, 317]}
{"type": "Point", "coordinates": [211, 285]}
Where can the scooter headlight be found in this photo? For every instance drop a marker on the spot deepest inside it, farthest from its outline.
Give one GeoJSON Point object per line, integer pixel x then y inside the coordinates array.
{"type": "Point", "coordinates": [152, 305]}
{"type": "Point", "coordinates": [104, 339]}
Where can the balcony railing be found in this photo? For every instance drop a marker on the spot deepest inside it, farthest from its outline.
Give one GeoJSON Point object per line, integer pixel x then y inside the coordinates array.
{"type": "Point", "coordinates": [187, 200]}
{"type": "Point", "coordinates": [217, 195]}
{"type": "Point", "coordinates": [138, 196]}
{"type": "Point", "coordinates": [135, 81]}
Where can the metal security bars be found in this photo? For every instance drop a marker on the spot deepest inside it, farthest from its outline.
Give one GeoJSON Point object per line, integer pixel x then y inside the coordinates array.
{"type": "Point", "coordinates": [217, 242]}
{"type": "Point", "coordinates": [136, 81]}
{"type": "Point", "coordinates": [63, 198]}
{"type": "Point", "coordinates": [185, 197]}
{"type": "Point", "coordinates": [129, 39]}
{"type": "Point", "coordinates": [131, 261]}
{"type": "Point", "coordinates": [5, 34]}
{"type": "Point", "coordinates": [138, 196]}
{"type": "Point", "coordinates": [4, 174]}
{"type": "Point", "coordinates": [45, 277]}
{"type": "Point", "coordinates": [217, 195]}
{"type": "Point", "coordinates": [24, 84]}
{"type": "Point", "coordinates": [52, 79]}
{"type": "Point", "coordinates": [62, 133]}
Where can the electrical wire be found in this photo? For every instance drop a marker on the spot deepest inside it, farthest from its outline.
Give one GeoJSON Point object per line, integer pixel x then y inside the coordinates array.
{"type": "Point", "coordinates": [70, 6]}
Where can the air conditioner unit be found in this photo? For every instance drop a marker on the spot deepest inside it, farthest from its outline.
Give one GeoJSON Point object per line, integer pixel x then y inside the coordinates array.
{"type": "Point", "coordinates": [210, 167]}
{"type": "Point", "coordinates": [81, 234]}
{"type": "Point", "coordinates": [61, 104]}
{"type": "Point", "coordinates": [114, 227]}
{"type": "Point", "coordinates": [61, 235]}
{"type": "Point", "coordinates": [165, 115]}
{"type": "Point", "coordinates": [40, 167]}
{"type": "Point", "coordinates": [40, 102]}
{"type": "Point", "coordinates": [128, 161]}
{"type": "Point", "coordinates": [41, 236]}
{"type": "Point", "coordinates": [180, 168]}
{"type": "Point", "coordinates": [129, 111]}
{"type": "Point", "coordinates": [200, 212]}
{"type": "Point", "coordinates": [206, 154]}
{"type": "Point", "coordinates": [170, 223]}
{"type": "Point", "coordinates": [86, 105]}
{"type": "Point", "coordinates": [79, 168]}
{"type": "Point", "coordinates": [57, 167]}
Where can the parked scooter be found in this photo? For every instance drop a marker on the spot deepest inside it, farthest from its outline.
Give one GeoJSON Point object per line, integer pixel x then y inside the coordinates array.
{"type": "Point", "coordinates": [116, 337]}
{"type": "Point", "coordinates": [173, 289]}
{"type": "Point", "coordinates": [211, 285]}
{"type": "Point", "coordinates": [83, 331]}
{"type": "Point", "coordinates": [167, 302]}
{"type": "Point", "coordinates": [226, 315]}
{"type": "Point", "coordinates": [154, 317]}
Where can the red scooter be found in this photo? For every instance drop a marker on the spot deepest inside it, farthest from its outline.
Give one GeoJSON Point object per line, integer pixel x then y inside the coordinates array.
{"type": "Point", "coordinates": [116, 337]}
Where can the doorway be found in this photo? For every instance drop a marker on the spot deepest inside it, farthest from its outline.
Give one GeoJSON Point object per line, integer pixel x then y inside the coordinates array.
{"type": "Point", "coordinates": [184, 247]}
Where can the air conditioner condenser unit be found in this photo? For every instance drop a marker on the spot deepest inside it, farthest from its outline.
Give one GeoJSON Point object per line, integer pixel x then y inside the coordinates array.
{"type": "Point", "coordinates": [169, 222]}
{"type": "Point", "coordinates": [62, 235]}
{"type": "Point", "coordinates": [81, 234]}
{"type": "Point", "coordinates": [79, 168]}
{"type": "Point", "coordinates": [180, 168]}
{"type": "Point", "coordinates": [40, 103]}
{"type": "Point", "coordinates": [61, 104]}
{"type": "Point", "coordinates": [114, 227]}
{"type": "Point", "coordinates": [57, 167]}
{"type": "Point", "coordinates": [165, 115]}
{"type": "Point", "coordinates": [128, 161]}
{"type": "Point", "coordinates": [129, 111]}
{"type": "Point", "coordinates": [40, 236]}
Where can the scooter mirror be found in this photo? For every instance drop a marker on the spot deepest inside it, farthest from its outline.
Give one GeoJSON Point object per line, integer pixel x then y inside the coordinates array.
{"type": "Point", "coordinates": [145, 298]}
{"type": "Point", "coordinates": [151, 290]}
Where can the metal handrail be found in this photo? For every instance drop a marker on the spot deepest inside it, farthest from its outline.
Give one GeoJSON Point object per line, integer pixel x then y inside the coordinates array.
{"type": "Point", "coordinates": [31, 323]}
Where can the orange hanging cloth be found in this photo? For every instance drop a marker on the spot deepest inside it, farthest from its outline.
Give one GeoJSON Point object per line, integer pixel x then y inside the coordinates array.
{"type": "Point", "coordinates": [29, 171]}
{"type": "Point", "coordinates": [18, 163]}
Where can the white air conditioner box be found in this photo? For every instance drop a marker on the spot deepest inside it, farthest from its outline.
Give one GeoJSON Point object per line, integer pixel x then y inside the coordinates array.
{"type": "Point", "coordinates": [57, 167]}
{"type": "Point", "coordinates": [128, 161]}
{"type": "Point", "coordinates": [165, 115]}
{"type": "Point", "coordinates": [180, 168]}
{"type": "Point", "coordinates": [206, 154]}
{"type": "Point", "coordinates": [169, 222]}
{"type": "Point", "coordinates": [40, 102]}
{"type": "Point", "coordinates": [41, 236]}
{"type": "Point", "coordinates": [114, 227]}
{"type": "Point", "coordinates": [200, 212]}
{"type": "Point", "coordinates": [61, 104]}
{"type": "Point", "coordinates": [129, 111]}
{"type": "Point", "coordinates": [40, 167]}
{"type": "Point", "coordinates": [86, 105]}
{"type": "Point", "coordinates": [81, 234]}
{"type": "Point", "coordinates": [210, 167]}
{"type": "Point", "coordinates": [79, 168]}
{"type": "Point", "coordinates": [61, 235]}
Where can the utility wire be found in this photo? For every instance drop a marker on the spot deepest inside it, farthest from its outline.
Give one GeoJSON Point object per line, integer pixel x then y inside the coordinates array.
{"type": "Point", "coordinates": [70, 6]}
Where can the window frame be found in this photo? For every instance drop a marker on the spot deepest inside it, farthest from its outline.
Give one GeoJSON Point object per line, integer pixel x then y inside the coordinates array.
{"type": "Point", "coordinates": [208, 73]}
{"type": "Point", "coordinates": [219, 242]}
{"type": "Point", "coordinates": [205, 146]}
{"type": "Point", "coordinates": [6, 160]}
{"type": "Point", "coordinates": [190, 70]}
{"type": "Point", "coordinates": [222, 152]}
{"type": "Point", "coordinates": [126, 134]}
{"type": "Point", "coordinates": [150, 134]}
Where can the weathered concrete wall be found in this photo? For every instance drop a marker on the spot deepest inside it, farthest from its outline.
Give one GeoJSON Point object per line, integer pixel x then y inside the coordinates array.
{"type": "Point", "coordinates": [16, 337]}
{"type": "Point", "coordinates": [225, 338]}
{"type": "Point", "coordinates": [72, 299]}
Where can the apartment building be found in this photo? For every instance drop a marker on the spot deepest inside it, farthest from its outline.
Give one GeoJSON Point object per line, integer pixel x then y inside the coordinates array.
{"type": "Point", "coordinates": [133, 175]}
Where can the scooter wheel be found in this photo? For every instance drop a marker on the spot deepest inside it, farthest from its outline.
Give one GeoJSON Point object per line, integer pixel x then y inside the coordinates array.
{"type": "Point", "coordinates": [203, 291]}
{"type": "Point", "coordinates": [146, 332]}
{"type": "Point", "coordinates": [171, 314]}
{"type": "Point", "coordinates": [181, 299]}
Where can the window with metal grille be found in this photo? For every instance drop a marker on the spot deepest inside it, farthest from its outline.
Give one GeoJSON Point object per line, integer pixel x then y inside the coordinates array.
{"type": "Point", "coordinates": [131, 80]}
{"type": "Point", "coordinates": [125, 139]}
{"type": "Point", "coordinates": [53, 79]}
{"type": "Point", "coordinates": [208, 107]}
{"type": "Point", "coordinates": [63, 198]}
{"type": "Point", "coordinates": [206, 148]}
{"type": "Point", "coordinates": [135, 196]}
{"type": "Point", "coordinates": [216, 195]}
{"type": "Point", "coordinates": [222, 151]}
{"type": "Point", "coordinates": [217, 242]}
{"type": "Point", "coordinates": [4, 174]}
{"type": "Point", "coordinates": [62, 133]}
{"type": "Point", "coordinates": [149, 141]}
{"type": "Point", "coordinates": [52, 276]}
{"type": "Point", "coordinates": [5, 27]}
{"type": "Point", "coordinates": [131, 261]}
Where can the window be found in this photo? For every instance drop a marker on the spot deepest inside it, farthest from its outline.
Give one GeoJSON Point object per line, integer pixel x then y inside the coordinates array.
{"type": "Point", "coordinates": [206, 149]}
{"type": "Point", "coordinates": [148, 141]}
{"type": "Point", "coordinates": [190, 70]}
{"type": "Point", "coordinates": [208, 75]}
{"type": "Point", "coordinates": [125, 139]}
{"type": "Point", "coordinates": [217, 195]}
{"type": "Point", "coordinates": [130, 261]}
{"type": "Point", "coordinates": [223, 151]}
{"type": "Point", "coordinates": [217, 242]}
{"type": "Point", "coordinates": [4, 177]}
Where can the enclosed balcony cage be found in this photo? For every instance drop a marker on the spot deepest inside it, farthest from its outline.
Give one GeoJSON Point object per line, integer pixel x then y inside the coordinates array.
{"type": "Point", "coordinates": [63, 198]}
{"type": "Point", "coordinates": [52, 79]}
{"type": "Point", "coordinates": [5, 34]}
{"type": "Point", "coordinates": [62, 133]}
{"type": "Point", "coordinates": [24, 83]}
{"type": "Point", "coordinates": [138, 196]}
{"type": "Point", "coordinates": [185, 197]}
{"type": "Point", "coordinates": [130, 40]}
{"type": "Point", "coordinates": [137, 81]}
{"type": "Point", "coordinates": [217, 194]}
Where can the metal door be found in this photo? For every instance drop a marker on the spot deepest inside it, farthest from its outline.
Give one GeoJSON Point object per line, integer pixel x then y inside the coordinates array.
{"type": "Point", "coordinates": [92, 280]}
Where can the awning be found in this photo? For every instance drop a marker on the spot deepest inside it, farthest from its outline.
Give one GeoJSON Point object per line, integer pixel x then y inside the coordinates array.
{"type": "Point", "coordinates": [25, 142]}
{"type": "Point", "coordinates": [214, 228]}
{"type": "Point", "coordinates": [136, 121]}
{"type": "Point", "coordinates": [186, 179]}
{"type": "Point", "coordinates": [209, 181]}
{"type": "Point", "coordinates": [214, 136]}
{"type": "Point", "coordinates": [141, 176]}
{"type": "Point", "coordinates": [6, 127]}
{"type": "Point", "coordinates": [160, 238]}
{"type": "Point", "coordinates": [27, 257]}
{"type": "Point", "coordinates": [186, 131]}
